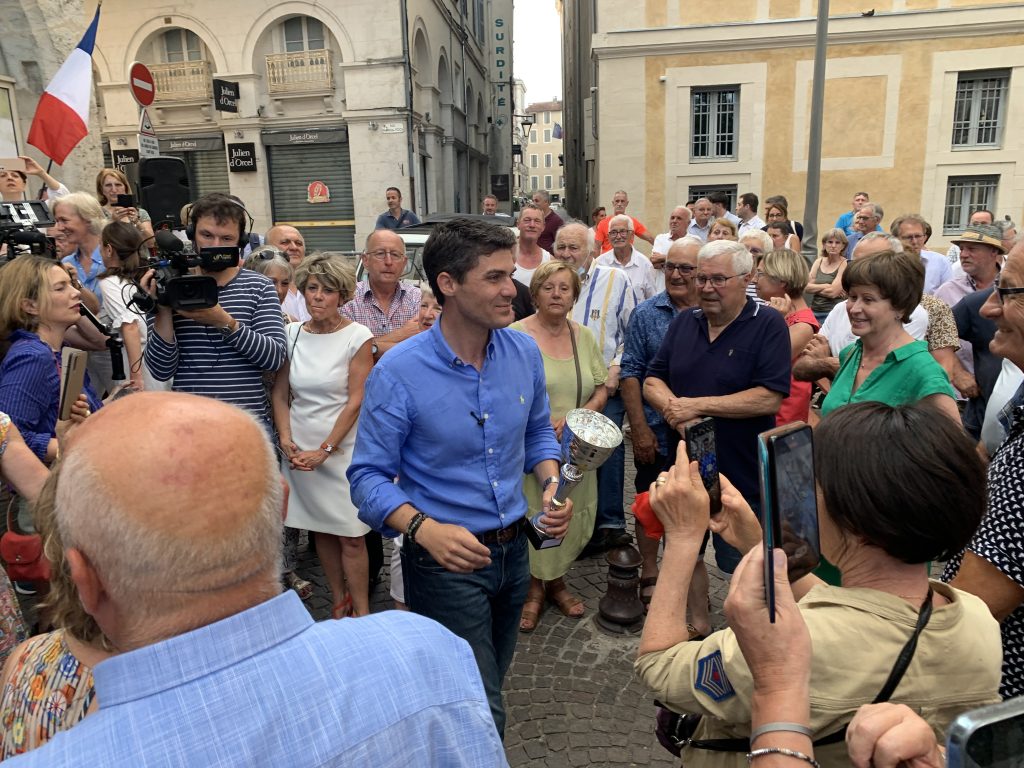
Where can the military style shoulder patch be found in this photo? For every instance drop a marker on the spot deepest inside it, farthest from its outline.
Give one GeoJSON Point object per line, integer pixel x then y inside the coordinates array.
{"type": "Point", "coordinates": [711, 677]}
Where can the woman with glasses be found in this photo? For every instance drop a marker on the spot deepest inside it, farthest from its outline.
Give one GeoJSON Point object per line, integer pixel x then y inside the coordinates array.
{"type": "Point", "coordinates": [825, 284]}
{"type": "Point", "coordinates": [757, 243]}
{"type": "Point", "coordinates": [781, 277]}
{"type": "Point", "coordinates": [271, 262]}
{"type": "Point", "coordinates": [991, 566]}
{"type": "Point", "coordinates": [574, 370]}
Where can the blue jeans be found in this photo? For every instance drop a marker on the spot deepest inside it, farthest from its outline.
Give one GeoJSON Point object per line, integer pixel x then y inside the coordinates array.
{"type": "Point", "coordinates": [611, 474]}
{"type": "Point", "coordinates": [483, 607]}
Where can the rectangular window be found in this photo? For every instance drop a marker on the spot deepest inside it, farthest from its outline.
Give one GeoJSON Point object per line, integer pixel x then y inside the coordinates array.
{"type": "Point", "coordinates": [980, 109]}
{"type": "Point", "coordinates": [533, 161]}
{"type": "Point", "coordinates": [534, 182]}
{"type": "Point", "coordinates": [964, 196]}
{"type": "Point", "coordinates": [533, 135]}
{"type": "Point", "coordinates": [547, 118]}
{"type": "Point", "coordinates": [703, 190]}
{"type": "Point", "coordinates": [547, 135]}
{"type": "Point", "coordinates": [547, 160]}
{"type": "Point", "coordinates": [714, 115]}
{"type": "Point", "coordinates": [561, 181]}
{"type": "Point", "coordinates": [547, 182]}
{"type": "Point", "coordinates": [478, 18]}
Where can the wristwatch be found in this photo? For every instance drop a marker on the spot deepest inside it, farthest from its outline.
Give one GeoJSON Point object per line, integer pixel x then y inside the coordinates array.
{"type": "Point", "coordinates": [327, 448]}
{"type": "Point", "coordinates": [227, 330]}
{"type": "Point", "coordinates": [374, 350]}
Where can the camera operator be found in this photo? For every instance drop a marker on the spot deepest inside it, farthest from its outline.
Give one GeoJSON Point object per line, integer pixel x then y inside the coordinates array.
{"type": "Point", "coordinates": [222, 351]}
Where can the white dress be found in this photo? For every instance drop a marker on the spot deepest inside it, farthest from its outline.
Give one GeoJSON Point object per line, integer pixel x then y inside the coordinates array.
{"type": "Point", "coordinates": [318, 377]}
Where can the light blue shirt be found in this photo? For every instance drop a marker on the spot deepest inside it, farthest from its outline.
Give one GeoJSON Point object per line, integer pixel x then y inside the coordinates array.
{"type": "Point", "coordinates": [937, 270]}
{"type": "Point", "coordinates": [457, 439]}
{"type": "Point", "coordinates": [90, 279]}
{"type": "Point", "coordinates": [268, 687]}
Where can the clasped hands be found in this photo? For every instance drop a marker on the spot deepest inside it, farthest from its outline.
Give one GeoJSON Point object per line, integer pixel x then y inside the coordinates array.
{"type": "Point", "coordinates": [304, 461]}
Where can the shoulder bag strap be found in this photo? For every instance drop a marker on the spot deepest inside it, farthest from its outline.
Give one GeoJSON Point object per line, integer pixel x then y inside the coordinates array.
{"type": "Point", "coordinates": [576, 359]}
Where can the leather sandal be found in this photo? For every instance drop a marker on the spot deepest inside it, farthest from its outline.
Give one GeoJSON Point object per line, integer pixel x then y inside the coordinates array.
{"type": "Point", "coordinates": [570, 605]}
{"type": "Point", "coordinates": [647, 583]}
{"type": "Point", "coordinates": [532, 609]}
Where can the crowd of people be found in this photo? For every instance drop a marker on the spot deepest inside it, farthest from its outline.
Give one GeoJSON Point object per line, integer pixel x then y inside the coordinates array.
{"type": "Point", "coordinates": [304, 399]}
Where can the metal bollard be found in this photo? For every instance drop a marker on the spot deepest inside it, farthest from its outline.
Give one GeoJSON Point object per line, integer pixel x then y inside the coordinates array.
{"type": "Point", "coordinates": [620, 611]}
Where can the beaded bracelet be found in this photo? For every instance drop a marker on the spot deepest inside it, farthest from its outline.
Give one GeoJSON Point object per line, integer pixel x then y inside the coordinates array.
{"type": "Point", "coordinates": [781, 751]}
{"type": "Point", "coordinates": [773, 727]}
{"type": "Point", "coordinates": [414, 525]}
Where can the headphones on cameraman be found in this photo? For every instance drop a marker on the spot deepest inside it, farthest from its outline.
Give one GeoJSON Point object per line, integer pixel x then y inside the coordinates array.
{"type": "Point", "coordinates": [244, 229]}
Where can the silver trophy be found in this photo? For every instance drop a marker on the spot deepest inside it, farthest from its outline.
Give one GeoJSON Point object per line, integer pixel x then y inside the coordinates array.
{"type": "Point", "coordinates": [588, 439]}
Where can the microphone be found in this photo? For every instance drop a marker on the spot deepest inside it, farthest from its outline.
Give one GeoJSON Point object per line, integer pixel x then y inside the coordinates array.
{"type": "Point", "coordinates": [167, 242]}
{"type": "Point", "coordinates": [479, 419]}
{"type": "Point", "coordinates": [114, 344]}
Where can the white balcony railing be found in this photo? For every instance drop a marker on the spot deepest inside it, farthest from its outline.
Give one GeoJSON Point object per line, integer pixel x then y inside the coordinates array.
{"type": "Point", "coordinates": [300, 72]}
{"type": "Point", "coordinates": [182, 81]}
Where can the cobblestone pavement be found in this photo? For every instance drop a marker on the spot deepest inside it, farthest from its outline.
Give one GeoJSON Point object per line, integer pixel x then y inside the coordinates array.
{"type": "Point", "coordinates": [571, 695]}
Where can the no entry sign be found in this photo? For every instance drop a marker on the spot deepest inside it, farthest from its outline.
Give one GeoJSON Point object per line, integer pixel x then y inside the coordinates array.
{"type": "Point", "coordinates": [140, 81]}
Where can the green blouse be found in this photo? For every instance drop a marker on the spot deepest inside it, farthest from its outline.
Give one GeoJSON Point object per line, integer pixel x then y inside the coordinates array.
{"type": "Point", "coordinates": [908, 374]}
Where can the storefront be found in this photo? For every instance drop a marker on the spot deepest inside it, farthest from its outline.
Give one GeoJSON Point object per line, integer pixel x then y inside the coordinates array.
{"type": "Point", "coordinates": [311, 186]}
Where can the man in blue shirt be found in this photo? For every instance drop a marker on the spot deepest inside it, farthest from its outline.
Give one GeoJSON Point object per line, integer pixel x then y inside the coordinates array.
{"type": "Point", "coordinates": [845, 222]}
{"type": "Point", "coordinates": [214, 665]}
{"type": "Point", "coordinates": [729, 359]}
{"type": "Point", "coordinates": [394, 217]}
{"type": "Point", "coordinates": [458, 413]}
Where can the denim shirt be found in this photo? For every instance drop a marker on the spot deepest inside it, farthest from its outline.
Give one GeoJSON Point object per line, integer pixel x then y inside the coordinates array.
{"type": "Point", "coordinates": [458, 439]}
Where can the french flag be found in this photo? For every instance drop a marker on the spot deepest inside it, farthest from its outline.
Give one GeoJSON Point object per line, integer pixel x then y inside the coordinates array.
{"type": "Point", "coordinates": [62, 116]}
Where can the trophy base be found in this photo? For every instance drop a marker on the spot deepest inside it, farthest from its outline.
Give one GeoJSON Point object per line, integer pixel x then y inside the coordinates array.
{"type": "Point", "coordinates": [539, 539]}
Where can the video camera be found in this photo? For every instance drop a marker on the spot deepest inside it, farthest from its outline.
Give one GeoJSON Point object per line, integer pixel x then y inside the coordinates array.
{"type": "Point", "coordinates": [22, 228]}
{"type": "Point", "coordinates": [175, 287]}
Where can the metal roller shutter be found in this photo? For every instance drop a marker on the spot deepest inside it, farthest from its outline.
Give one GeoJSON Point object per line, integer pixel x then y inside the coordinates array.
{"type": "Point", "coordinates": [325, 226]}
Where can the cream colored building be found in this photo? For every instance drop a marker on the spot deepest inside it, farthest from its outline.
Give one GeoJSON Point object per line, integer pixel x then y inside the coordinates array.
{"type": "Point", "coordinates": [337, 102]}
{"type": "Point", "coordinates": [924, 105]}
{"type": "Point", "coordinates": [544, 150]}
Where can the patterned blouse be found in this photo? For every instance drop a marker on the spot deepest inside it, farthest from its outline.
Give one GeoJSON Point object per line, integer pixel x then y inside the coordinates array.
{"type": "Point", "coordinates": [941, 331]}
{"type": "Point", "coordinates": [49, 691]}
{"type": "Point", "coordinates": [12, 626]}
{"type": "Point", "coordinates": [1000, 537]}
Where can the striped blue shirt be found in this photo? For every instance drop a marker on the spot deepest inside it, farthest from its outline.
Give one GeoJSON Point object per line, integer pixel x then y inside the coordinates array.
{"type": "Point", "coordinates": [203, 361]}
{"type": "Point", "coordinates": [30, 389]}
{"type": "Point", "coordinates": [606, 301]}
{"type": "Point", "coordinates": [268, 687]}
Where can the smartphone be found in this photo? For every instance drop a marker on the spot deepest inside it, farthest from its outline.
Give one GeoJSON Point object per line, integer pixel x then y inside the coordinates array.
{"type": "Point", "coordinates": [700, 446]}
{"type": "Point", "coordinates": [126, 201]}
{"type": "Point", "coordinates": [988, 737]}
{"type": "Point", "coordinates": [789, 503]}
{"type": "Point", "coordinates": [13, 164]}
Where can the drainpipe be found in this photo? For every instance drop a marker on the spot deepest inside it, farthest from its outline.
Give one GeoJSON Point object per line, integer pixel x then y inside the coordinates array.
{"type": "Point", "coordinates": [407, 74]}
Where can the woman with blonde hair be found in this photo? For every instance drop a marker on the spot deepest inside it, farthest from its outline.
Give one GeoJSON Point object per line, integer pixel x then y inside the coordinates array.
{"type": "Point", "coordinates": [722, 229]}
{"type": "Point", "coordinates": [38, 304]}
{"type": "Point", "coordinates": [110, 183]}
{"type": "Point", "coordinates": [825, 283]}
{"type": "Point", "coordinates": [781, 277]}
{"type": "Point", "coordinates": [574, 371]}
{"type": "Point", "coordinates": [316, 399]}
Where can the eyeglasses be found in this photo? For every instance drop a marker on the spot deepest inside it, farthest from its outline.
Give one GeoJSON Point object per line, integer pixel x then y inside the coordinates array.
{"type": "Point", "coordinates": [914, 237]}
{"type": "Point", "coordinates": [1002, 293]}
{"type": "Point", "coordinates": [384, 255]}
{"type": "Point", "coordinates": [619, 232]}
{"type": "Point", "coordinates": [761, 273]}
{"type": "Point", "coordinates": [717, 281]}
{"type": "Point", "coordinates": [683, 269]}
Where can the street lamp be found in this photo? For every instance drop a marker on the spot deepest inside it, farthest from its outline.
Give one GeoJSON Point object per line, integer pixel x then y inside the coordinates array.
{"type": "Point", "coordinates": [525, 124]}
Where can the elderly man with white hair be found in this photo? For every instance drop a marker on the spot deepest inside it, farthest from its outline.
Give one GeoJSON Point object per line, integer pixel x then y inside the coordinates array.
{"type": "Point", "coordinates": [186, 589]}
{"type": "Point", "coordinates": [625, 256]}
{"type": "Point", "coordinates": [678, 221]}
{"type": "Point", "coordinates": [728, 359]}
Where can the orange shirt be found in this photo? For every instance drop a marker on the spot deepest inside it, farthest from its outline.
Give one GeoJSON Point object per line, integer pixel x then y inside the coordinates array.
{"type": "Point", "coordinates": [601, 233]}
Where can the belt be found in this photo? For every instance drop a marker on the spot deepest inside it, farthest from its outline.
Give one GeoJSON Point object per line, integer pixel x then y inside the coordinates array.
{"type": "Point", "coordinates": [502, 535]}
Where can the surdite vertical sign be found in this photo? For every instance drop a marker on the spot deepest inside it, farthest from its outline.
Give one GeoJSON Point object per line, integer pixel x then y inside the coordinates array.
{"type": "Point", "coordinates": [500, 61]}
